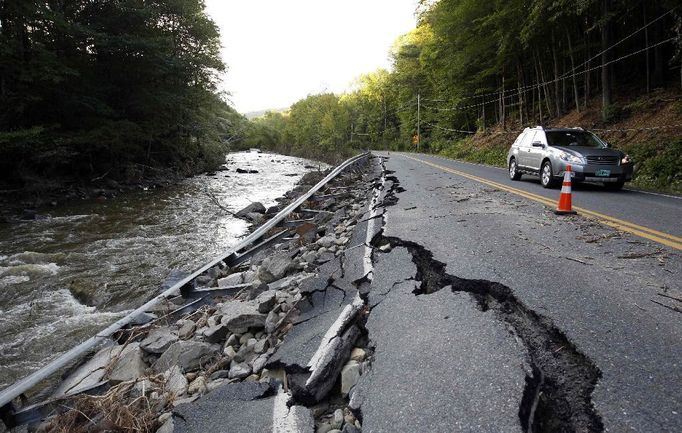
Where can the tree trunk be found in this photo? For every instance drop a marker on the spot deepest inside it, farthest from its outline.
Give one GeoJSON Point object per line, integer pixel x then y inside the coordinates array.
{"type": "Point", "coordinates": [575, 84]}
{"type": "Point", "coordinates": [646, 44]}
{"type": "Point", "coordinates": [519, 81]}
{"type": "Point", "coordinates": [502, 107]}
{"type": "Point", "coordinates": [556, 77]}
{"type": "Point", "coordinates": [537, 79]}
{"type": "Point", "coordinates": [587, 69]}
{"type": "Point", "coordinates": [605, 76]}
{"type": "Point", "coordinates": [563, 85]}
{"type": "Point", "coordinates": [484, 125]}
{"type": "Point", "coordinates": [548, 98]}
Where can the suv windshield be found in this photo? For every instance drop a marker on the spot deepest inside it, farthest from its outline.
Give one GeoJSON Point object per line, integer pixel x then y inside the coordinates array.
{"type": "Point", "coordinates": [573, 138]}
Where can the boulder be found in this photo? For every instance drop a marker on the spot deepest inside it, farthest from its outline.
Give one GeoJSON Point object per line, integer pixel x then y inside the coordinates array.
{"type": "Point", "coordinates": [337, 419]}
{"type": "Point", "coordinates": [249, 277]}
{"type": "Point", "coordinates": [272, 210]}
{"type": "Point", "coordinates": [176, 382]}
{"type": "Point", "coordinates": [198, 386]}
{"type": "Point", "coordinates": [229, 352]}
{"type": "Point", "coordinates": [266, 301]}
{"type": "Point", "coordinates": [246, 171]}
{"type": "Point", "coordinates": [259, 363]}
{"type": "Point", "coordinates": [128, 364]}
{"type": "Point", "coordinates": [220, 374]}
{"type": "Point", "coordinates": [275, 267]}
{"type": "Point", "coordinates": [239, 370]}
{"type": "Point", "coordinates": [167, 427]}
{"type": "Point", "coordinates": [358, 354]}
{"type": "Point", "coordinates": [254, 217]}
{"type": "Point", "coordinates": [261, 346]}
{"type": "Point", "coordinates": [159, 340]}
{"type": "Point", "coordinates": [231, 280]}
{"type": "Point", "coordinates": [326, 241]}
{"type": "Point", "coordinates": [257, 287]}
{"type": "Point", "coordinates": [350, 374]}
{"type": "Point", "coordinates": [255, 207]}
{"type": "Point", "coordinates": [271, 322]}
{"type": "Point", "coordinates": [285, 283]}
{"type": "Point", "coordinates": [237, 314]}
{"type": "Point", "coordinates": [186, 329]}
{"type": "Point", "coordinates": [246, 354]}
{"type": "Point", "coordinates": [216, 334]}
{"type": "Point", "coordinates": [187, 355]}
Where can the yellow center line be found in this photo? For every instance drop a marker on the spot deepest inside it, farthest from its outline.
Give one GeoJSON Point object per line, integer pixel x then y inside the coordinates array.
{"type": "Point", "coordinates": [626, 226]}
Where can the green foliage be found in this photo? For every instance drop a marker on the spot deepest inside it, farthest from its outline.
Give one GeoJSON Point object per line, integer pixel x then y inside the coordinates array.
{"type": "Point", "coordinates": [658, 165]}
{"type": "Point", "coordinates": [613, 113]}
{"type": "Point", "coordinates": [93, 86]}
{"type": "Point", "coordinates": [318, 127]}
{"type": "Point", "coordinates": [469, 150]}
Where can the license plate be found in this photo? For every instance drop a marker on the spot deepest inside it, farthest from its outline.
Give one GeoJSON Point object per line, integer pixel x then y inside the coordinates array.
{"type": "Point", "coordinates": [602, 173]}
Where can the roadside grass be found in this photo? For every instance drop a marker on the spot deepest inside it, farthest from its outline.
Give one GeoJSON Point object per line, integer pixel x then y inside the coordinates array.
{"type": "Point", "coordinates": [468, 151]}
{"type": "Point", "coordinates": [657, 165]}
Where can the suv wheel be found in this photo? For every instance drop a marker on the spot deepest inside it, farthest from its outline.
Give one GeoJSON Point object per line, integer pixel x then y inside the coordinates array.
{"type": "Point", "coordinates": [546, 178]}
{"type": "Point", "coordinates": [514, 173]}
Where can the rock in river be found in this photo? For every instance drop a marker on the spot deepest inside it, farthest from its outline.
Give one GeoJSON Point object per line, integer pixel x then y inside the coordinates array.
{"type": "Point", "coordinates": [255, 207]}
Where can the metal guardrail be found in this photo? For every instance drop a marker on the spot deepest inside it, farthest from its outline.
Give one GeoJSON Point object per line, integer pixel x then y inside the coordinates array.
{"type": "Point", "coordinates": [20, 387]}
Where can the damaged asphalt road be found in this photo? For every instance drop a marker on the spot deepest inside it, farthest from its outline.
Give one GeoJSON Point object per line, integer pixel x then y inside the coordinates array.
{"type": "Point", "coordinates": [513, 319]}
{"type": "Point", "coordinates": [458, 307]}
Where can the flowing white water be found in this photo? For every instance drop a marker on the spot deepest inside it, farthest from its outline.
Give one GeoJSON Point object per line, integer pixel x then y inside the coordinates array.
{"type": "Point", "coordinates": [115, 254]}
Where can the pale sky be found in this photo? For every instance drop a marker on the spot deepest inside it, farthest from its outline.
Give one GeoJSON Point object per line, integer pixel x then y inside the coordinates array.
{"type": "Point", "coordinates": [278, 51]}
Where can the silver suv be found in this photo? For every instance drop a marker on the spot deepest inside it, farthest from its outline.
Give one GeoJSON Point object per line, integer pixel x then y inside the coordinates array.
{"type": "Point", "coordinates": [546, 153]}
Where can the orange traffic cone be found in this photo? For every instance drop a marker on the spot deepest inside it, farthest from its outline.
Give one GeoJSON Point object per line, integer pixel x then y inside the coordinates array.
{"type": "Point", "coordinates": [564, 206]}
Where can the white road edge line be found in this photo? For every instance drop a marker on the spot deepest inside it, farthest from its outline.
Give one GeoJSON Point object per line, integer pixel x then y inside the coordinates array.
{"type": "Point", "coordinates": [280, 412]}
{"type": "Point", "coordinates": [287, 419]}
{"type": "Point", "coordinates": [654, 193]}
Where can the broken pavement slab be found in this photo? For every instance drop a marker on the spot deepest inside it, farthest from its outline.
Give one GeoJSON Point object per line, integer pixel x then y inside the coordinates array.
{"type": "Point", "coordinates": [127, 365]}
{"type": "Point", "coordinates": [244, 407]}
{"type": "Point", "coordinates": [439, 364]}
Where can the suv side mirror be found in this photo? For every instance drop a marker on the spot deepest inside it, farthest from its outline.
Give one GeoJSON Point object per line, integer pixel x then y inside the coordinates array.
{"type": "Point", "coordinates": [538, 144]}
{"type": "Point", "coordinates": [607, 145]}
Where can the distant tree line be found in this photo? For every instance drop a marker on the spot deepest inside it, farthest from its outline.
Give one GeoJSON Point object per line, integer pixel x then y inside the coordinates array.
{"type": "Point", "coordinates": [474, 64]}
{"type": "Point", "coordinates": [89, 87]}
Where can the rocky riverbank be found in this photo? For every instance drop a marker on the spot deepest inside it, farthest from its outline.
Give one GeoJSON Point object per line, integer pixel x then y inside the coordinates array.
{"type": "Point", "coordinates": [230, 335]}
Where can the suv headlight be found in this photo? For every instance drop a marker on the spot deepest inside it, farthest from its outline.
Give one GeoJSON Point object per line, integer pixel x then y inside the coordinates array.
{"type": "Point", "coordinates": [571, 158]}
{"type": "Point", "coordinates": [626, 159]}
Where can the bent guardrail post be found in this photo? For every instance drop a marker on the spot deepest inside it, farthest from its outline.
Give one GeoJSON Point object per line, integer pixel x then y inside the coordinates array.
{"type": "Point", "coordinates": [20, 387]}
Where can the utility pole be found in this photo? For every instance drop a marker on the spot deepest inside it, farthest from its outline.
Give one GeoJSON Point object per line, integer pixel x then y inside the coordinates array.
{"type": "Point", "coordinates": [419, 136]}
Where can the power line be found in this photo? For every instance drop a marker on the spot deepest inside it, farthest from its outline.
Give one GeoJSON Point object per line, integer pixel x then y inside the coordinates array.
{"type": "Point", "coordinates": [542, 84]}
{"type": "Point", "coordinates": [570, 73]}
{"type": "Point", "coordinates": [622, 40]}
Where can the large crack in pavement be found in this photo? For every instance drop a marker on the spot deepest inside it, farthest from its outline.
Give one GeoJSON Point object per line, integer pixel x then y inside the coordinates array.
{"type": "Point", "coordinates": [558, 395]}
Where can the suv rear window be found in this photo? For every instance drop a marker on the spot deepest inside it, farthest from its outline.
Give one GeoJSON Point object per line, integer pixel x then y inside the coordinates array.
{"type": "Point", "coordinates": [573, 138]}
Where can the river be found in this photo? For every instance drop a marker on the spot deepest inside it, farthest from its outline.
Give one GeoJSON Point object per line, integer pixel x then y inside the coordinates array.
{"type": "Point", "coordinates": [117, 253]}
